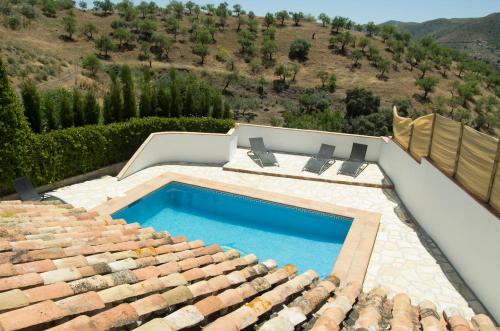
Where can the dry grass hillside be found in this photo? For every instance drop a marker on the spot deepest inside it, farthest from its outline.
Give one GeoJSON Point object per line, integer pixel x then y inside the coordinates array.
{"type": "Point", "coordinates": [39, 51]}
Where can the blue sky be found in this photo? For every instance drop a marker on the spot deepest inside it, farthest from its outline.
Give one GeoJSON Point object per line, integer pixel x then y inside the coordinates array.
{"type": "Point", "coordinates": [379, 11]}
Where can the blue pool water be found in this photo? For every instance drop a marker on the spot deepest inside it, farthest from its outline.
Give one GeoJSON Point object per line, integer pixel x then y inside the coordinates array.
{"type": "Point", "coordinates": [310, 240]}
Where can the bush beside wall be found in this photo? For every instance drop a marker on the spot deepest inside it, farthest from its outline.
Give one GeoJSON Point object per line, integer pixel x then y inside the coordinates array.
{"type": "Point", "coordinates": [69, 152]}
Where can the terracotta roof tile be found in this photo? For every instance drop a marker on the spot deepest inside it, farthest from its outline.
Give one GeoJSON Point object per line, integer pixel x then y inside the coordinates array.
{"type": "Point", "coordinates": [69, 269]}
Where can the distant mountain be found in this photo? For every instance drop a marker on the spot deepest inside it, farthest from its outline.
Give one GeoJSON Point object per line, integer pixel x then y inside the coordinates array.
{"type": "Point", "coordinates": [479, 37]}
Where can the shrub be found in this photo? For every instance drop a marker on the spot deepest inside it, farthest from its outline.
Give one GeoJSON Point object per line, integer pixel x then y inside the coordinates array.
{"type": "Point", "coordinates": [361, 102]}
{"type": "Point", "coordinates": [313, 101]}
{"type": "Point", "coordinates": [69, 152]}
{"type": "Point", "coordinates": [326, 121]}
{"type": "Point", "coordinates": [299, 49]}
{"type": "Point", "coordinates": [376, 124]}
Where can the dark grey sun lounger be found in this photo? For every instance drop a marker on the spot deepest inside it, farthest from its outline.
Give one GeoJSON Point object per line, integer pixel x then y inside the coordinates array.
{"type": "Point", "coordinates": [262, 156]}
{"type": "Point", "coordinates": [356, 163]}
{"type": "Point", "coordinates": [321, 161]}
{"type": "Point", "coordinates": [27, 192]}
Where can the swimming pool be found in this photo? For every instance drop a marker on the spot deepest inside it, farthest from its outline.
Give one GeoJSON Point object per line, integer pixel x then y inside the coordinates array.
{"type": "Point", "coordinates": [308, 239]}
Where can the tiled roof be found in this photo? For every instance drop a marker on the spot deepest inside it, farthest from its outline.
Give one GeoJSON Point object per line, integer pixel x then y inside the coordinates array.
{"type": "Point", "coordinates": [63, 268]}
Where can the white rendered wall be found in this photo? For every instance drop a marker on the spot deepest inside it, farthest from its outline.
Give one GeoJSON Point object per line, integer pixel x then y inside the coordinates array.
{"type": "Point", "coordinates": [307, 141]}
{"type": "Point", "coordinates": [163, 147]}
{"type": "Point", "coordinates": [467, 233]}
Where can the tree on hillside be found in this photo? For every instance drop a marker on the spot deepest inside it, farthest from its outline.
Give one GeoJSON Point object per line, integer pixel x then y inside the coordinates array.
{"type": "Point", "coordinates": [145, 52]}
{"type": "Point", "coordinates": [106, 6]}
{"type": "Point", "coordinates": [332, 83]}
{"type": "Point", "coordinates": [269, 20]}
{"type": "Point", "coordinates": [31, 102]}
{"type": "Point", "coordinates": [383, 66]}
{"type": "Point", "coordinates": [356, 56]}
{"type": "Point", "coordinates": [269, 47]}
{"type": "Point", "coordinates": [363, 43]}
{"type": "Point", "coordinates": [190, 6]}
{"type": "Point", "coordinates": [372, 29]}
{"type": "Point", "coordinates": [232, 76]}
{"type": "Point", "coordinates": [162, 45]}
{"type": "Point", "coordinates": [325, 19]}
{"type": "Point", "coordinates": [282, 72]}
{"type": "Point", "coordinates": [297, 17]}
{"type": "Point", "coordinates": [143, 7]}
{"type": "Point", "coordinates": [242, 20]}
{"type": "Point", "coordinates": [388, 30]}
{"type": "Point", "coordinates": [337, 23]}
{"type": "Point", "coordinates": [299, 49]}
{"type": "Point", "coordinates": [424, 67]}
{"type": "Point", "coordinates": [128, 92]}
{"type": "Point", "coordinates": [92, 63]}
{"type": "Point", "coordinates": [104, 44]}
{"type": "Point", "coordinates": [246, 41]}
{"type": "Point", "coordinates": [344, 39]}
{"type": "Point", "coordinates": [294, 70]}
{"type": "Point", "coordinates": [88, 30]}
{"type": "Point", "coordinates": [360, 101]}
{"type": "Point", "coordinates": [444, 63]}
{"type": "Point", "coordinates": [200, 47]}
{"type": "Point", "coordinates": [323, 77]}
{"type": "Point", "coordinates": [123, 36]}
{"type": "Point", "coordinates": [426, 84]}
{"type": "Point", "coordinates": [282, 16]}
{"type": "Point", "coordinates": [222, 13]}
{"type": "Point", "coordinates": [173, 26]}
{"type": "Point", "coordinates": [178, 8]}
{"type": "Point", "coordinates": [237, 10]}
{"type": "Point", "coordinates": [69, 23]}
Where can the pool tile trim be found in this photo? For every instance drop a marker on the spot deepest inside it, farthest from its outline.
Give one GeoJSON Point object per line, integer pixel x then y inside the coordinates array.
{"type": "Point", "coordinates": [352, 261]}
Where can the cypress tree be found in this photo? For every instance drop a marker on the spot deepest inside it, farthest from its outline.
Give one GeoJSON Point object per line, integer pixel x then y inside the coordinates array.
{"type": "Point", "coordinates": [78, 108]}
{"type": "Point", "coordinates": [66, 110]}
{"type": "Point", "coordinates": [113, 108]}
{"type": "Point", "coordinates": [163, 102]}
{"type": "Point", "coordinates": [106, 109]}
{"type": "Point", "coordinates": [188, 103]}
{"type": "Point", "coordinates": [154, 100]}
{"type": "Point", "coordinates": [31, 102]}
{"type": "Point", "coordinates": [50, 112]}
{"type": "Point", "coordinates": [116, 101]}
{"type": "Point", "coordinates": [14, 132]}
{"type": "Point", "coordinates": [218, 107]}
{"type": "Point", "coordinates": [129, 105]}
{"type": "Point", "coordinates": [175, 96]}
{"type": "Point", "coordinates": [91, 109]}
{"type": "Point", "coordinates": [145, 99]}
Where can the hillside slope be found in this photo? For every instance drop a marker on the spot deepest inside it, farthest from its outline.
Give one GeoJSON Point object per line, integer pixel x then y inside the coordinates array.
{"type": "Point", "coordinates": [40, 51]}
{"type": "Point", "coordinates": [480, 37]}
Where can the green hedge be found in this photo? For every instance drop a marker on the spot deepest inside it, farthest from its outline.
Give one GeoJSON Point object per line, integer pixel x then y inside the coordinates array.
{"type": "Point", "coordinates": [69, 152]}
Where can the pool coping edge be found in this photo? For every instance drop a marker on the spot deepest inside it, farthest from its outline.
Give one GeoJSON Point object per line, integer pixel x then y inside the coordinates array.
{"type": "Point", "coordinates": [351, 263]}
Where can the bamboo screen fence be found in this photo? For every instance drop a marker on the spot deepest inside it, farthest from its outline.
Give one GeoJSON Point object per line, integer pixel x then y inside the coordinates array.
{"type": "Point", "coordinates": [467, 155]}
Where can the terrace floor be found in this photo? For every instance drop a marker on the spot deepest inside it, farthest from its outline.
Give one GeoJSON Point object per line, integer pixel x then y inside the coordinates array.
{"type": "Point", "coordinates": [291, 165]}
{"type": "Point", "coordinates": [404, 259]}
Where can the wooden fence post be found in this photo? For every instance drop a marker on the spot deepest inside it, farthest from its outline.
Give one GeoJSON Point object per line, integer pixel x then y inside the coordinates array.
{"type": "Point", "coordinates": [459, 149]}
{"type": "Point", "coordinates": [410, 138]}
{"type": "Point", "coordinates": [432, 134]}
{"type": "Point", "coordinates": [493, 174]}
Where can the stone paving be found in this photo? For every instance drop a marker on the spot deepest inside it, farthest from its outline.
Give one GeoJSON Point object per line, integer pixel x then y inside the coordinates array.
{"type": "Point", "coordinates": [404, 259]}
{"type": "Point", "coordinates": [292, 164]}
